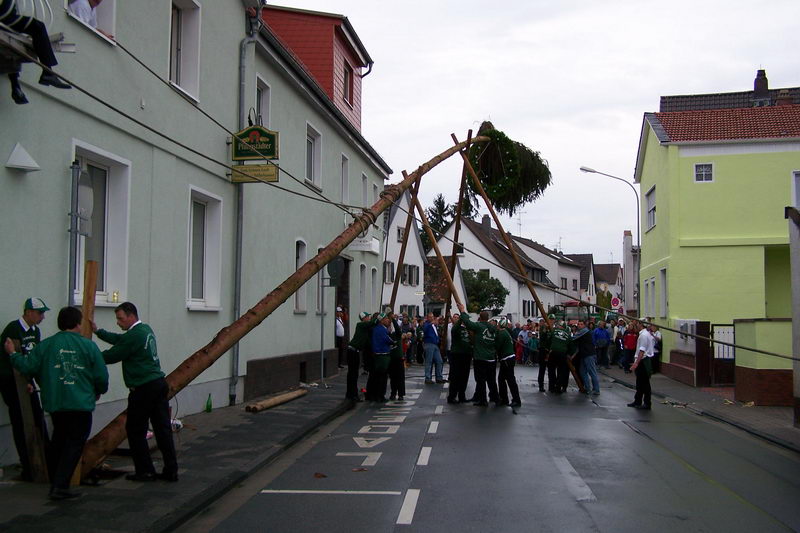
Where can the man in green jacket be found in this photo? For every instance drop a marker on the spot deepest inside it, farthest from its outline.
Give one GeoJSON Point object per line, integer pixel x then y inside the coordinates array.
{"type": "Point", "coordinates": [147, 401]}
{"type": "Point", "coordinates": [73, 375]}
{"type": "Point", "coordinates": [356, 350]}
{"type": "Point", "coordinates": [507, 381]}
{"type": "Point", "coordinates": [26, 335]}
{"type": "Point", "coordinates": [460, 359]}
{"type": "Point", "coordinates": [484, 362]}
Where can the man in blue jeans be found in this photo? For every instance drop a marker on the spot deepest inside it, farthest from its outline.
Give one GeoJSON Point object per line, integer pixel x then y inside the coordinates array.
{"type": "Point", "coordinates": [588, 358]}
{"type": "Point", "coordinates": [430, 341]}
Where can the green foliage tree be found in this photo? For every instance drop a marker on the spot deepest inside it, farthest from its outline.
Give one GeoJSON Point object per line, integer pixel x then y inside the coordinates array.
{"type": "Point", "coordinates": [440, 214]}
{"type": "Point", "coordinates": [483, 291]}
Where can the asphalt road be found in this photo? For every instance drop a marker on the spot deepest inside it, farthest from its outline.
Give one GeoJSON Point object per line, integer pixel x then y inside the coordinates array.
{"type": "Point", "coordinates": [559, 463]}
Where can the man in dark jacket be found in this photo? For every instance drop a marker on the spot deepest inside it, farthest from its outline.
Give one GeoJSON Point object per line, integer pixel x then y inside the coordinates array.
{"type": "Point", "coordinates": [585, 354]}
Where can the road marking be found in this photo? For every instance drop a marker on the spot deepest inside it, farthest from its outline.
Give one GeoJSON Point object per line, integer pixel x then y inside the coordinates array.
{"type": "Point", "coordinates": [345, 492]}
{"type": "Point", "coordinates": [414, 390]}
{"type": "Point", "coordinates": [443, 396]}
{"type": "Point", "coordinates": [398, 402]}
{"type": "Point", "coordinates": [384, 418]}
{"type": "Point", "coordinates": [371, 458]}
{"type": "Point", "coordinates": [446, 385]}
{"type": "Point", "coordinates": [370, 443]}
{"type": "Point", "coordinates": [574, 481]}
{"type": "Point", "coordinates": [439, 409]}
{"type": "Point", "coordinates": [424, 456]}
{"type": "Point", "coordinates": [387, 429]}
{"type": "Point", "coordinates": [412, 396]}
{"type": "Point", "coordinates": [406, 515]}
{"type": "Point", "coordinates": [396, 409]}
{"type": "Point", "coordinates": [434, 427]}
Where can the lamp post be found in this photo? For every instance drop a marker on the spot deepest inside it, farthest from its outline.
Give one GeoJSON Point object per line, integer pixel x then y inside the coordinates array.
{"type": "Point", "coordinates": [638, 232]}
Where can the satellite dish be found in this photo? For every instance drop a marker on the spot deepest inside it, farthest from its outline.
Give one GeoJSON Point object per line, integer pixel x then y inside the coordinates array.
{"type": "Point", "coordinates": [85, 204]}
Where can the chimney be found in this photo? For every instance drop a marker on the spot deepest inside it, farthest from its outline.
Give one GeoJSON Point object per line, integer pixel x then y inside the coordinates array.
{"type": "Point", "coordinates": [761, 85]}
{"type": "Point", "coordinates": [486, 222]}
{"type": "Point", "coordinates": [784, 98]}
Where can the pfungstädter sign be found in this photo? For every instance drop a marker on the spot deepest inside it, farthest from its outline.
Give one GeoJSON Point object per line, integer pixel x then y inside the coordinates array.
{"type": "Point", "coordinates": [255, 142]}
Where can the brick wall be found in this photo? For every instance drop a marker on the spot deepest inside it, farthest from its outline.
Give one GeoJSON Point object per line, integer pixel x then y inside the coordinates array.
{"type": "Point", "coordinates": [764, 386]}
{"type": "Point", "coordinates": [276, 374]}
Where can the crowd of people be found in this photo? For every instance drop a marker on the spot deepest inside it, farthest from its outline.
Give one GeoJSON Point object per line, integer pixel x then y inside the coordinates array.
{"type": "Point", "coordinates": [385, 344]}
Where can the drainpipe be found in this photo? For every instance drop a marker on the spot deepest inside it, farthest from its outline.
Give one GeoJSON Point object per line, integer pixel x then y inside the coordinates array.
{"type": "Point", "coordinates": [75, 168]}
{"type": "Point", "coordinates": [253, 24]}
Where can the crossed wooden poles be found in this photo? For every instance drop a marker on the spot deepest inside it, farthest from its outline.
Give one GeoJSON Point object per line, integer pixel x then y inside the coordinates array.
{"type": "Point", "coordinates": [102, 444]}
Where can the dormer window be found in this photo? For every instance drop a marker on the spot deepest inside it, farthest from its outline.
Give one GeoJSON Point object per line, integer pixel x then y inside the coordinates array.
{"type": "Point", "coordinates": [347, 89]}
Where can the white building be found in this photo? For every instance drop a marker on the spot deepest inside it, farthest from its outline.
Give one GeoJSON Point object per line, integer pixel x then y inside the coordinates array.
{"type": "Point", "coordinates": [410, 291]}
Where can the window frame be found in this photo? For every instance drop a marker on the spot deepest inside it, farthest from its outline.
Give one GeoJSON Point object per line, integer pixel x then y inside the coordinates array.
{"type": "Point", "coordinates": [117, 225]}
{"type": "Point", "coordinates": [186, 57]}
{"type": "Point", "coordinates": [106, 18]}
{"type": "Point", "coordinates": [710, 174]}
{"type": "Point", "coordinates": [401, 230]}
{"type": "Point", "coordinates": [263, 97]}
{"type": "Point", "coordinates": [314, 158]}
{"type": "Point", "coordinates": [348, 76]}
{"type": "Point", "coordinates": [212, 251]}
{"type": "Point", "coordinates": [650, 213]}
{"type": "Point", "coordinates": [345, 179]}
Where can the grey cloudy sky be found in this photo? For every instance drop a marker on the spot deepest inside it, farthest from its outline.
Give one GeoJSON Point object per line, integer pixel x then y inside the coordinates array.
{"type": "Point", "coordinates": [570, 79]}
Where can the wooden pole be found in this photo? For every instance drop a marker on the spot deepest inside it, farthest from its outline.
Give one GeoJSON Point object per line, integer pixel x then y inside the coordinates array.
{"type": "Point", "coordinates": [509, 243]}
{"type": "Point", "coordinates": [402, 257]}
{"type": "Point", "coordinates": [457, 225]}
{"type": "Point", "coordinates": [442, 262]}
{"type": "Point", "coordinates": [89, 290]}
{"type": "Point", "coordinates": [99, 446]}
{"type": "Point", "coordinates": [34, 437]}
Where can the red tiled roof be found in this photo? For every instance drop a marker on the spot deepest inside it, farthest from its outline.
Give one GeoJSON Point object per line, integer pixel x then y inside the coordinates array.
{"type": "Point", "coordinates": [772, 122]}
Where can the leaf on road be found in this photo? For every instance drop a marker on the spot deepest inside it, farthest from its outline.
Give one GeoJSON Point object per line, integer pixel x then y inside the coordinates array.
{"type": "Point", "coordinates": [319, 475]}
{"type": "Point", "coordinates": [360, 469]}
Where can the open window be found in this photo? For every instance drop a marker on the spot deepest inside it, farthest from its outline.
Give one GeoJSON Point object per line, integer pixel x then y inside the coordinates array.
{"type": "Point", "coordinates": [96, 15]}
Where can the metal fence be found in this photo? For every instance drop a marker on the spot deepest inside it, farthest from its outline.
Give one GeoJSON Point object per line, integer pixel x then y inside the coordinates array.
{"type": "Point", "coordinates": [725, 333]}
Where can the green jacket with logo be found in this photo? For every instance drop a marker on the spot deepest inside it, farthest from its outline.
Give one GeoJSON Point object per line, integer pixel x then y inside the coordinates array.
{"type": "Point", "coordinates": [27, 341]}
{"type": "Point", "coordinates": [459, 342]}
{"type": "Point", "coordinates": [70, 370]}
{"type": "Point", "coordinates": [503, 343]}
{"type": "Point", "coordinates": [137, 350]}
{"type": "Point", "coordinates": [560, 341]}
{"type": "Point", "coordinates": [483, 341]}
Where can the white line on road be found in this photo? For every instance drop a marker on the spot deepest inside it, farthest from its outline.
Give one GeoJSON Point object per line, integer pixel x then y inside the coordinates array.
{"type": "Point", "coordinates": [446, 385]}
{"type": "Point", "coordinates": [424, 456]}
{"type": "Point", "coordinates": [346, 492]}
{"type": "Point", "coordinates": [443, 396]}
{"type": "Point", "coordinates": [406, 515]}
{"type": "Point", "coordinates": [370, 458]}
{"type": "Point", "coordinates": [434, 427]}
{"type": "Point", "coordinates": [574, 481]}
{"type": "Point", "coordinates": [438, 410]}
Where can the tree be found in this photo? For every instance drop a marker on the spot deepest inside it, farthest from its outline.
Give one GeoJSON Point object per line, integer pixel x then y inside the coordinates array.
{"type": "Point", "coordinates": [483, 291]}
{"type": "Point", "coordinates": [439, 216]}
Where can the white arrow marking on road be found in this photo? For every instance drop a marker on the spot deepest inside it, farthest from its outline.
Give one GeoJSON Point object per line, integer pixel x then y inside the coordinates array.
{"type": "Point", "coordinates": [434, 427]}
{"type": "Point", "coordinates": [406, 515]}
{"type": "Point", "coordinates": [424, 456]}
{"type": "Point", "coordinates": [370, 443]}
{"type": "Point", "coordinates": [371, 458]}
{"type": "Point", "coordinates": [574, 481]}
{"type": "Point", "coordinates": [387, 429]}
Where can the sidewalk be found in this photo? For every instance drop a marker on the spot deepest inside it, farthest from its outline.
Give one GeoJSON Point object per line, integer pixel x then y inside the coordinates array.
{"type": "Point", "coordinates": [215, 452]}
{"type": "Point", "coordinates": [774, 424]}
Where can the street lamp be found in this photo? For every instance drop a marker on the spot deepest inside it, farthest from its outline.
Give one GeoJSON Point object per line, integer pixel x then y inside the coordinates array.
{"type": "Point", "coordinates": [638, 231]}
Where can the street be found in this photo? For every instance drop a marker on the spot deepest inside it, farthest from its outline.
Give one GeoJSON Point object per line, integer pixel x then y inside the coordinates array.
{"type": "Point", "coordinates": [560, 463]}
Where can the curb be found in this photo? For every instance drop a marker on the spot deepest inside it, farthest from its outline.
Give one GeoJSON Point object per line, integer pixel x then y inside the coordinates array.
{"type": "Point", "coordinates": [189, 509]}
{"type": "Point", "coordinates": [719, 418]}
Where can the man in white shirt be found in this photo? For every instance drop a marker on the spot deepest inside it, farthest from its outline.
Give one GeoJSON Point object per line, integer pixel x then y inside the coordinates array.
{"type": "Point", "coordinates": [642, 367]}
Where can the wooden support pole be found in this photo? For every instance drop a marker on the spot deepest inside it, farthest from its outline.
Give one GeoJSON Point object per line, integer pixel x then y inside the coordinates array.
{"type": "Point", "coordinates": [34, 436]}
{"type": "Point", "coordinates": [457, 225]}
{"type": "Point", "coordinates": [89, 290]}
{"type": "Point", "coordinates": [510, 245]}
{"type": "Point", "coordinates": [402, 257]}
{"type": "Point", "coordinates": [442, 262]}
{"type": "Point", "coordinates": [99, 446]}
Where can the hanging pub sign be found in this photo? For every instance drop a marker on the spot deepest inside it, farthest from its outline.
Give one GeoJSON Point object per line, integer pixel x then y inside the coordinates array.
{"type": "Point", "coordinates": [255, 142]}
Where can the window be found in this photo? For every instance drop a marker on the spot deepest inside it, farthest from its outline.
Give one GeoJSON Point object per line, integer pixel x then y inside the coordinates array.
{"type": "Point", "coordinates": [650, 202]}
{"type": "Point", "coordinates": [663, 301]}
{"type": "Point", "coordinates": [703, 172]}
{"type": "Point", "coordinates": [105, 179]}
{"type": "Point", "coordinates": [460, 248]}
{"type": "Point", "coordinates": [364, 190]}
{"type": "Point", "coordinates": [204, 254]}
{"type": "Point", "coordinates": [376, 288]}
{"type": "Point", "coordinates": [375, 193]}
{"type": "Point", "coordinates": [574, 284]}
{"type": "Point", "coordinates": [401, 232]}
{"type": "Point", "coordinates": [796, 189]}
{"type": "Point", "coordinates": [184, 47]}
{"type": "Point", "coordinates": [526, 308]}
{"type": "Point", "coordinates": [564, 283]}
{"type": "Point", "coordinates": [313, 151]}
{"type": "Point", "coordinates": [99, 18]}
{"type": "Point", "coordinates": [388, 272]}
{"type": "Point", "coordinates": [299, 260]}
{"type": "Point", "coordinates": [263, 98]}
{"type": "Point", "coordinates": [362, 286]}
{"type": "Point", "coordinates": [538, 276]}
{"type": "Point", "coordinates": [410, 275]}
{"type": "Point", "coordinates": [412, 310]}
{"type": "Point", "coordinates": [345, 180]}
{"type": "Point", "coordinates": [347, 89]}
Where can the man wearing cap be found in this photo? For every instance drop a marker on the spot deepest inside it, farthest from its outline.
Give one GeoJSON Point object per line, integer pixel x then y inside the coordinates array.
{"type": "Point", "coordinates": [359, 343]}
{"type": "Point", "coordinates": [504, 345]}
{"type": "Point", "coordinates": [147, 401]}
{"type": "Point", "coordinates": [25, 334]}
{"type": "Point", "coordinates": [73, 376]}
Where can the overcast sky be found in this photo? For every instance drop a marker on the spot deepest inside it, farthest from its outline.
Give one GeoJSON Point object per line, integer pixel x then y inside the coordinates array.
{"type": "Point", "coordinates": [570, 79]}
